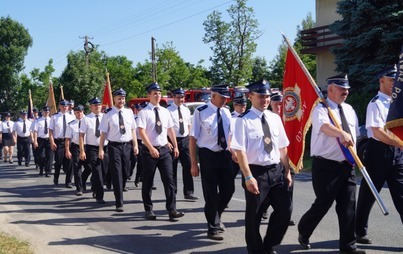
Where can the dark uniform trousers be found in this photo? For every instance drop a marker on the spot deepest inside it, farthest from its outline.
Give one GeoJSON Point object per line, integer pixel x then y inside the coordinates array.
{"type": "Point", "coordinates": [119, 167]}
{"type": "Point", "coordinates": [332, 181]}
{"type": "Point", "coordinates": [45, 155]}
{"type": "Point", "coordinates": [184, 158]}
{"type": "Point", "coordinates": [164, 164]}
{"type": "Point", "coordinates": [273, 191]}
{"type": "Point", "coordinates": [218, 184]}
{"type": "Point", "coordinates": [139, 169]}
{"type": "Point", "coordinates": [23, 149]}
{"type": "Point", "coordinates": [61, 160]}
{"type": "Point", "coordinates": [98, 169]}
{"type": "Point", "coordinates": [80, 176]}
{"type": "Point", "coordinates": [35, 153]}
{"type": "Point", "coordinates": [379, 165]}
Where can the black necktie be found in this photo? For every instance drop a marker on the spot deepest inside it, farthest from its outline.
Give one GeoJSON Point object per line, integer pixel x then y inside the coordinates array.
{"type": "Point", "coordinates": [221, 136]}
{"type": "Point", "coordinates": [64, 126]}
{"type": "Point", "coordinates": [267, 142]}
{"type": "Point", "coordinates": [121, 124]}
{"type": "Point", "coordinates": [79, 125]}
{"type": "Point", "coordinates": [344, 124]}
{"type": "Point", "coordinates": [181, 126]}
{"type": "Point", "coordinates": [158, 124]}
{"type": "Point", "coordinates": [97, 133]}
{"type": "Point", "coordinates": [45, 130]}
{"type": "Point", "coordinates": [24, 127]}
{"type": "Point", "coordinates": [8, 129]}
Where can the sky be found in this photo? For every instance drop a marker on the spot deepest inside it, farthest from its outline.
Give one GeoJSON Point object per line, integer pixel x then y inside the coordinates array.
{"type": "Point", "coordinates": [125, 27]}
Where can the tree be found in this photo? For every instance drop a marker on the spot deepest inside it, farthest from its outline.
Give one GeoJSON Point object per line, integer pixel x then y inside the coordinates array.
{"type": "Point", "coordinates": [80, 81]}
{"type": "Point", "coordinates": [14, 43]}
{"type": "Point", "coordinates": [372, 33]}
{"type": "Point", "coordinates": [172, 72]}
{"type": "Point", "coordinates": [233, 43]}
{"type": "Point", "coordinates": [260, 69]}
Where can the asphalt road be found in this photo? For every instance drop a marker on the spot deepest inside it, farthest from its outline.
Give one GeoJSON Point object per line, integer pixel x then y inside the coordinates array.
{"type": "Point", "coordinates": [54, 220]}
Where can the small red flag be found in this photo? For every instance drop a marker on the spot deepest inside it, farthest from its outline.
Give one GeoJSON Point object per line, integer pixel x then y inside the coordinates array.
{"type": "Point", "coordinates": [107, 98]}
{"type": "Point", "coordinates": [299, 100]}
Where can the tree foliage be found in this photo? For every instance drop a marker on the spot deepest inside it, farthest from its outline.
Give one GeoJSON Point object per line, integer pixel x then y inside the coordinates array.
{"type": "Point", "coordinates": [81, 81]}
{"type": "Point", "coordinates": [372, 32]}
{"type": "Point", "coordinates": [14, 43]}
{"type": "Point", "coordinates": [233, 43]}
{"type": "Point", "coordinates": [172, 72]}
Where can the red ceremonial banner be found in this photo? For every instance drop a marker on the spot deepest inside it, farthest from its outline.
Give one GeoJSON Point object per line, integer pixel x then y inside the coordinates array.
{"type": "Point", "coordinates": [299, 100]}
{"type": "Point", "coordinates": [107, 98]}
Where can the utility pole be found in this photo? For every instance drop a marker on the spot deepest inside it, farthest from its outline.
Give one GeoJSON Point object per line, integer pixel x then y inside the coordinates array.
{"type": "Point", "coordinates": [153, 62]}
{"type": "Point", "coordinates": [88, 47]}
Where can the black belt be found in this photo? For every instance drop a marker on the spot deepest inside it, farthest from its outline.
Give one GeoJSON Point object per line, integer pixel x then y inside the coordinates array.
{"type": "Point", "coordinates": [23, 137]}
{"type": "Point", "coordinates": [332, 161]}
{"type": "Point", "coordinates": [206, 149]}
{"type": "Point", "coordinates": [87, 145]}
{"type": "Point", "coordinates": [113, 143]}
{"type": "Point", "coordinates": [180, 138]}
{"type": "Point", "coordinates": [159, 147]}
{"type": "Point", "coordinates": [46, 139]}
{"type": "Point", "coordinates": [267, 167]}
{"type": "Point", "coordinates": [74, 144]}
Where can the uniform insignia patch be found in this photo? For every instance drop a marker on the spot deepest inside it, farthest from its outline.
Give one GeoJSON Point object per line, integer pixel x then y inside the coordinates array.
{"type": "Point", "coordinates": [244, 113]}
{"type": "Point", "coordinates": [202, 108]}
{"type": "Point", "coordinates": [375, 98]}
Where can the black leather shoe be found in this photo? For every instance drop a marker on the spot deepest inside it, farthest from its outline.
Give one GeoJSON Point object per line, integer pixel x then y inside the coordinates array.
{"type": "Point", "coordinates": [69, 186]}
{"type": "Point", "coordinates": [125, 189]}
{"type": "Point", "coordinates": [271, 251]}
{"type": "Point", "coordinates": [291, 223]}
{"type": "Point", "coordinates": [79, 193]}
{"type": "Point", "coordinates": [352, 251]}
{"type": "Point", "coordinates": [108, 185]}
{"type": "Point", "coordinates": [101, 202]}
{"type": "Point", "coordinates": [173, 215]}
{"type": "Point", "coordinates": [191, 197]}
{"type": "Point", "coordinates": [364, 240]}
{"type": "Point", "coordinates": [304, 242]}
{"type": "Point", "coordinates": [119, 209]}
{"type": "Point", "coordinates": [150, 215]}
{"type": "Point", "coordinates": [56, 181]}
{"type": "Point", "coordinates": [215, 235]}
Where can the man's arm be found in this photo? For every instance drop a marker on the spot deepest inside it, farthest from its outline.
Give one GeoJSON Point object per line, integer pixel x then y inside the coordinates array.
{"type": "Point", "coordinates": [381, 135]}
{"type": "Point", "coordinates": [250, 181]}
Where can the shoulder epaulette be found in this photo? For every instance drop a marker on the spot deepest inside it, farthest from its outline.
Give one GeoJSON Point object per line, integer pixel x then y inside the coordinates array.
{"type": "Point", "coordinates": [107, 110]}
{"type": "Point", "coordinates": [55, 113]}
{"type": "Point", "coordinates": [200, 109]}
{"type": "Point", "coordinates": [375, 98]}
{"type": "Point", "coordinates": [71, 121]}
{"type": "Point", "coordinates": [323, 104]}
{"type": "Point", "coordinates": [232, 114]}
{"type": "Point", "coordinates": [244, 113]}
{"type": "Point", "coordinates": [169, 105]}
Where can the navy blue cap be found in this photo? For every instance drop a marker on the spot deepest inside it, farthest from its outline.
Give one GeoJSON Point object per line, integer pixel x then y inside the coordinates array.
{"type": "Point", "coordinates": [35, 110]}
{"type": "Point", "coordinates": [240, 100]}
{"type": "Point", "coordinates": [278, 97]}
{"type": "Point", "coordinates": [389, 72]}
{"type": "Point", "coordinates": [119, 92]}
{"type": "Point", "coordinates": [46, 108]}
{"type": "Point", "coordinates": [23, 112]}
{"type": "Point", "coordinates": [340, 80]}
{"type": "Point", "coordinates": [64, 102]}
{"type": "Point", "coordinates": [7, 114]}
{"type": "Point", "coordinates": [221, 89]}
{"type": "Point", "coordinates": [94, 100]}
{"type": "Point", "coordinates": [178, 91]}
{"type": "Point", "coordinates": [152, 87]}
{"type": "Point", "coordinates": [71, 102]}
{"type": "Point", "coordinates": [260, 87]}
{"type": "Point", "coordinates": [78, 108]}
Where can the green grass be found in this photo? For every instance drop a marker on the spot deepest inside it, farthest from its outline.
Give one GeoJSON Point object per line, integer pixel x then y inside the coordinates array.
{"type": "Point", "coordinates": [12, 245]}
